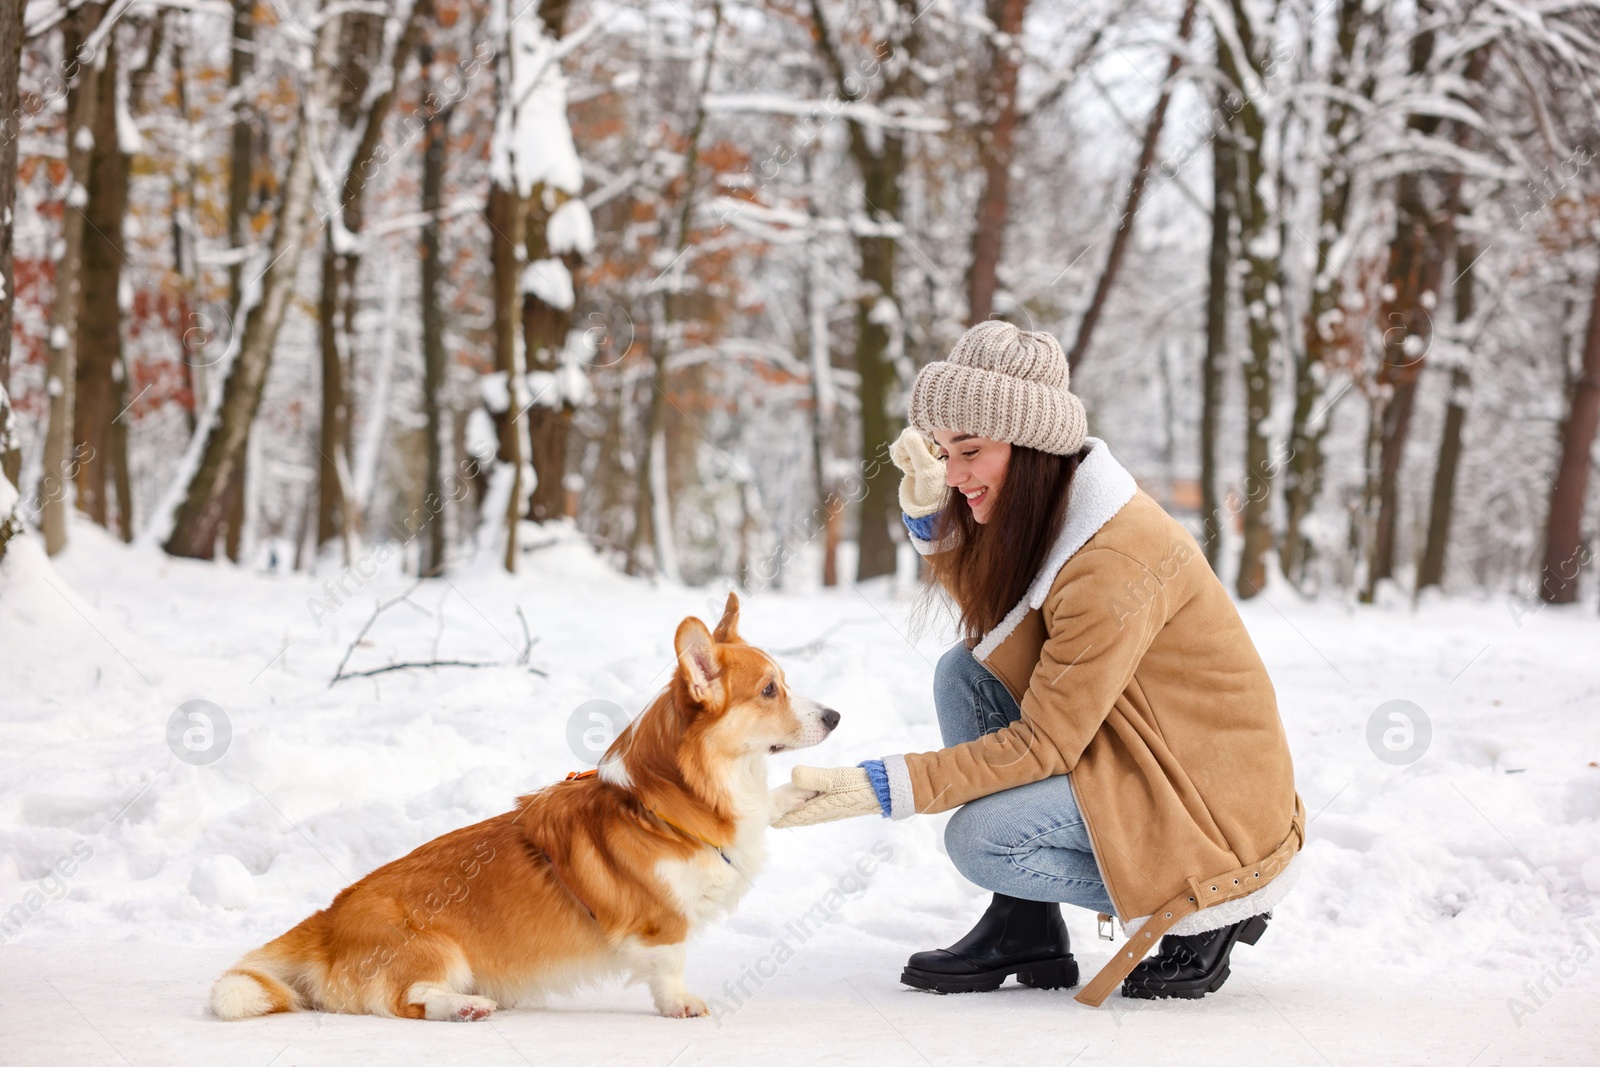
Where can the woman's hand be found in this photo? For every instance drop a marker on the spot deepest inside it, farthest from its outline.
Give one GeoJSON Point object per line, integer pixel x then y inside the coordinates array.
{"type": "Point", "coordinates": [836, 793]}
{"type": "Point", "coordinates": [923, 491]}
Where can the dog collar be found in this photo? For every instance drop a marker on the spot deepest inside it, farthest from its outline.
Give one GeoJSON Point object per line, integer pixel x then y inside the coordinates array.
{"type": "Point", "coordinates": [578, 775]}
{"type": "Point", "coordinates": [691, 833]}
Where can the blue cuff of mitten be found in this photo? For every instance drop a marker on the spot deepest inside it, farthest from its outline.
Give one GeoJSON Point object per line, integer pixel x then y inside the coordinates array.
{"type": "Point", "coordinates": [921, 529]}
{"type": "Point", "coordinates": [880, 783]}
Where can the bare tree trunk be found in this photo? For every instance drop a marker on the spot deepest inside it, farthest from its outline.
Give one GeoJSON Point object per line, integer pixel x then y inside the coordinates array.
{"type": "Point", "coordinates": [524, 197]}
{"type": "Point", "coordinates": [204, 508]}
{"type": "Point", "coordinates": [436, 138]}
{"type": "Point", "coordinates": [241, 187]}
{"type": "Point", "coordinates": [361, 45]}
{"type": "Point", "coordinates": [1415, 269]}
{"type": "Point", "coordinates": [875, 365]}
{"type": "Point", "coordinates": [1224, 189]}
{"type": "Point", "coordinates": [545, 328]}
{"type": "Point", "coordinates": [1261, 274]}
{"type": "Point", "coordinates": [1430, 571]}
{"type": "Point", "coordinates": [653, 531]}
{"type": "Point", "coordinates": [1141, 177]}
{"type": "Point", "coordinates": [101, 432]}
{"type": "Point", "coordinates": [502, 213]}
{"type": "Point", "coordinates": [10, 68]}
{"type": "Point", "coordinates": [549, 423]}
{"type": "Point", "coordinates": [518, 394]}
{"type": "Point", "coordinates": [646, 556]}
{"type": "Point", "coordinates": [196, 327]}
{"type": "Point", "coordinates": [1326, 330]}
{"type": "Point", "coordinates": [1564, 551]}
{"type": "Point", "coordinates": [99, 313]}
{"type": "Point", "coordinates": [241, 160]}
{"type": "Point", "coordinates": [881, 160]}
{"type": "Point", "coordinates": [121, 477]}
{"type": "Point", "coordinates": [1414, 274]}
{"type": "Point", "coordinates": [333, 519]}
{"type": "Point", "coordinates": [1430, 568]}
{"type": "Point", "coordinates": [995, 139]}
{"type": "Point", "coordinates": [121, 401]}
{"type": "Point", "coordinates": [823, 402]}
{"type": "Point", "coordinates": [61, 374]}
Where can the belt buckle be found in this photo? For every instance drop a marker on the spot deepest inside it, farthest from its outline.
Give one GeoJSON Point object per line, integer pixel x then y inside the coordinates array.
{"type": "Point", "coordinates": [1107, 929]}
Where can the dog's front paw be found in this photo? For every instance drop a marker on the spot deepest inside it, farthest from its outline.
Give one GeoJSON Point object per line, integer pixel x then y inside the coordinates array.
{"type": "Point", "coordinates": [480, 1008]}
{"type": "Point", "coordinates": [460, 1008]}
{"type": "Point", "coordinates": [786, 798]}
{"type": "Point", "coordinates": [681, 1006]}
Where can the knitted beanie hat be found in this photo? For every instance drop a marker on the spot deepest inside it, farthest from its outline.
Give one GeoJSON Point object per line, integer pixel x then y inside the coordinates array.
{"type": "Point", "coordinates": [1005, 384]}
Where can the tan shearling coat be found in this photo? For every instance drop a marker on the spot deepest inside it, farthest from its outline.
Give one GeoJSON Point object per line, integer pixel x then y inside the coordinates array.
{"type": "Point", "coordinates": [1136, 676]}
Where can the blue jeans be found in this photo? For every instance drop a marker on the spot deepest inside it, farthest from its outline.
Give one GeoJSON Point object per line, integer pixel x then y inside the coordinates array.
{"type": "Point", "coordinates": [1031, 841]}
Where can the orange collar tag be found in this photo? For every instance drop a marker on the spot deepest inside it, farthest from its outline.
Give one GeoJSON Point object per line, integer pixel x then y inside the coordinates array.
{"type": "Point", "coordinates": [571, 775]}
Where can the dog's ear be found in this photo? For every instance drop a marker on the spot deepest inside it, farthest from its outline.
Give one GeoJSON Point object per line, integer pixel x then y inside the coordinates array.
{"type": "Point", "coordinates": [697, 659]}
{"type": "Point", "coordinates": [727, 631]}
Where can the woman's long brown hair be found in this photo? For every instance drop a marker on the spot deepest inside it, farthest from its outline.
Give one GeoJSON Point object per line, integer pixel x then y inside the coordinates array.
{"type": "Point", "coordinates": [989, 566]}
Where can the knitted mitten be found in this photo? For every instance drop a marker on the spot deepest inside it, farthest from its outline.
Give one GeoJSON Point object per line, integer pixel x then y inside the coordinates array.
{"type": "Point", "coordinates": [842, 793]}
{"type": "Point", "coordinates": [922, 490]}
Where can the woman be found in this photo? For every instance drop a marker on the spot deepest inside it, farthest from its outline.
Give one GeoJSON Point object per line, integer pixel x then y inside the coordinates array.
{"type": "Point", "coordinates": [1112, 738]}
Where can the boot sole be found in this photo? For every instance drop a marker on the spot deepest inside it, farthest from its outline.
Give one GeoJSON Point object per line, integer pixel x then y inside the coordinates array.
{"type": "Point", "coordinates": [1192, 990]}
{"type": "Point", "coordinates": [1196, 988]}
{"type": "Point", "coordinates": [1060, 973]}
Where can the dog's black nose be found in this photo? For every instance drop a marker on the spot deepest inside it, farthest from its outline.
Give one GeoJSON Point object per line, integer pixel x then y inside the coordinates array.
{"type": "Point", "coordinates": [830, 718]}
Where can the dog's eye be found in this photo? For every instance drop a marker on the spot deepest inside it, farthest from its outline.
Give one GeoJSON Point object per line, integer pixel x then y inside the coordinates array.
{"type": "Point", "coordinates": [770, 691]}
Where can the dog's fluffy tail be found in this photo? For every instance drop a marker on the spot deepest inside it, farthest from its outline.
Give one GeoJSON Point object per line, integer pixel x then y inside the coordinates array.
{"type": "Point", "coordinates": [249, 988]}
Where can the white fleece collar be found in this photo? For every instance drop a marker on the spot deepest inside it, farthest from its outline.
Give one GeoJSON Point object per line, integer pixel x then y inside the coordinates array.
{"type": "Point", "coordinates": [1100, 489]}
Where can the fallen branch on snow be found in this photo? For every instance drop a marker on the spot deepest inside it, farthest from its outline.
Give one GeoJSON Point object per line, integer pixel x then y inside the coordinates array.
{"type": "Point", "coordinates": [340, 674]}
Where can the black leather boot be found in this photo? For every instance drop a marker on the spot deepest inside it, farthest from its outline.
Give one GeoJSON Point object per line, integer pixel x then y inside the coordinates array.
{"type": "Point", "coordinates": [1192, 965]}
{"type": "Point", "coordinates": [1026, 938]}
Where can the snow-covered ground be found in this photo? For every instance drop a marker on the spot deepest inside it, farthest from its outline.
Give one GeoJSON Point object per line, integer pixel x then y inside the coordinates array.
{"type": "Point", "coordinates": [1446, 912]}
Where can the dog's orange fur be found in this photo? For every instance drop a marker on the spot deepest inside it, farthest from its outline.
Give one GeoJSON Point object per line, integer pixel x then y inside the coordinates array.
{"type": "Point", "coordinates": [593, 876]}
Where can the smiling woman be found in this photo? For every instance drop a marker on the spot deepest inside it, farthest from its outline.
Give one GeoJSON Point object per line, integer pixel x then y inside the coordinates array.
{"type": "Point", "coordinates": [975, 467]}
{"type": "Point", "coordinates": [1112, 739]}
{"type": "Point", "coordinates": [1016, 501]}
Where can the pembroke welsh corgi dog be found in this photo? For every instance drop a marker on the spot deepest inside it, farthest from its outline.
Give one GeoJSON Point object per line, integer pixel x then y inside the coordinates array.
{"type": "Point", "coordinates": [606, 873]}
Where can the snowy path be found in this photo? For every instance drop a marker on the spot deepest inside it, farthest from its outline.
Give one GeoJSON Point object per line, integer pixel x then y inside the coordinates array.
{"type": "Point", "coordinates": [1434, 897]}
{"type": "Point", "coordinates": [837, 1003]}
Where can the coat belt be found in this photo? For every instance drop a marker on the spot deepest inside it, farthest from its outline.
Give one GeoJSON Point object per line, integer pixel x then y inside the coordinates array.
{"type": "Point", "coordinates": [1199, 896]}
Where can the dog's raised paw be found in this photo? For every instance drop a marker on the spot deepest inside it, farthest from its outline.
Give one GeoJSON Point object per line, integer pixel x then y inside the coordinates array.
{"type": "Point", "coordinates": [786, 798]}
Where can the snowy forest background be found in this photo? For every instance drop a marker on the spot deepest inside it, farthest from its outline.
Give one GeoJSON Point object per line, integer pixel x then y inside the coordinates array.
{"type": "Point", "coordinates": [624, 297]}
{"type": "Point", "coordinates": [301, 280]}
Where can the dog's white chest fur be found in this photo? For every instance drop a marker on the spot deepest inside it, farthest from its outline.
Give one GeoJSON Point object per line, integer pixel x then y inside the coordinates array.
{"type": "Point", "coordinates": [710, 883]}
